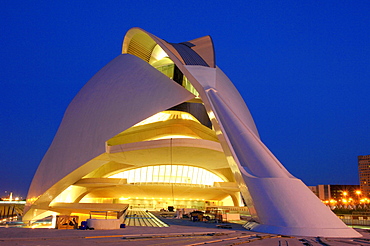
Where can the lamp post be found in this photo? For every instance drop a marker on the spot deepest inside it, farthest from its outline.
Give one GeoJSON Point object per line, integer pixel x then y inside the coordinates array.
{"type": "Point", "coordinates": [344, 198]}
{"type": "Point", "coordinates": [358, 193]}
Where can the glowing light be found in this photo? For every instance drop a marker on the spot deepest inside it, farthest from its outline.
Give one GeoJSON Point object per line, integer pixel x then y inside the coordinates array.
{"type": "Point", "coordinates": [211, 115]}
{"type": "Point", "coordinates": [179, 174]}
{"type": "Point", "coordinates": [68, 195]}
{"type": "Point", "coordinates": [167, 115]}
{"type": "Point", "coordinates": [173, 136]}
{"type": "Point", "coordinates": [157, 54]}
{"type": "Point", "coordinates": [358, 192]}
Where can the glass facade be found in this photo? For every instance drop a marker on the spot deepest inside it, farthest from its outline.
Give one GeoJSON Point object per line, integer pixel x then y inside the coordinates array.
{"type": "Point", "coordinates": [169, 69]}
{"type": "Point", "coordinates": [179, 174]}
{"type": "Point", "coordinates": [186, 83]}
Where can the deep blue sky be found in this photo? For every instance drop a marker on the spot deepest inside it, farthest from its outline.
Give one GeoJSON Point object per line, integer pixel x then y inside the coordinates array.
{"type": "Point", "coordinates": [303, 68]}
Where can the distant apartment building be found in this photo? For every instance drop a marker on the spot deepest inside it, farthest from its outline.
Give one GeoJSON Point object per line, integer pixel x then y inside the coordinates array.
{"type": "Point", "coordinates": [364, 174]}
{"type": "Point", "coordinates": [336, 192]}
{"type": "Point", "coordinates": [313, 189]}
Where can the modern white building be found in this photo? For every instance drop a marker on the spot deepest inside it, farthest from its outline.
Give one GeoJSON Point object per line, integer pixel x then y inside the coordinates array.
{"type": "Point", "coordinates": [161, 125]}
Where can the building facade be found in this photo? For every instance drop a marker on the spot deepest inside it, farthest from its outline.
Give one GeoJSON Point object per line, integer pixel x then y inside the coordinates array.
{"type": "Point", "coordinates": [364, 173]}
{"type": "Point", "coordinates": [337, 192]}
{"type": "Point", "coordinates": [161, 125]}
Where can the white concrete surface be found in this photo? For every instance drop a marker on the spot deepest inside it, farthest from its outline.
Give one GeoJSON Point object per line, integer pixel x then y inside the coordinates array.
{"type": "Point", "coordinates": [104, 224]}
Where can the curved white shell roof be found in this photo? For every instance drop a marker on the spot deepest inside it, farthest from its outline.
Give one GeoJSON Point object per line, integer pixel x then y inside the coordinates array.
{"type": "Point", "coordinates": [128, 90]}
{"type": "Point", "coordinates": [108, 104]}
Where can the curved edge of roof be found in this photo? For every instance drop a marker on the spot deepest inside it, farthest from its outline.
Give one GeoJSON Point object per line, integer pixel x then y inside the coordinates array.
{"type": "Point", "coordinates": [202, 47]}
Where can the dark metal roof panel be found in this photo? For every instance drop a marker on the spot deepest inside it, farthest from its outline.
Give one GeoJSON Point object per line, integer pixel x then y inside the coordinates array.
{"type": "Point", "coordinates": [189, 56]}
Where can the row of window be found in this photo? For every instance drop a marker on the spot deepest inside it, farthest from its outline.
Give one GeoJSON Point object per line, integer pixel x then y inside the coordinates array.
{"type": "Point", "coordinates": [169, 174]}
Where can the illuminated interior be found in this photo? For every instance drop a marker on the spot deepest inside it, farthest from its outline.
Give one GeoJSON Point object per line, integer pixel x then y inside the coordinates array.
{"type": "Point", "coordinates": [164, 125]}
{"type": "Point", "coordinates": [167, 115]}
{"type": "Point", "coordinates": [185, 167]}
{"type": "Point", "coordinates": [164, 64]}
{"type": "Point", "coordinates": [169, 174]}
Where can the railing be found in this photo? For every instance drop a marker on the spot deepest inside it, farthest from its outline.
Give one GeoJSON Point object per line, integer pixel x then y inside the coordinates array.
{"type": "Point", "coordinates": [11, 209]}
{"type": "Point", "coordinates": [106, 214]}
{"type": "Point", "coordinates": [356, 218]}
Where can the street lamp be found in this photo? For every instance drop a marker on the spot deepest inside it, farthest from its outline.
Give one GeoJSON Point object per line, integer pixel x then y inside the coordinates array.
{"type": "Point", "coordinates": [358, 193]}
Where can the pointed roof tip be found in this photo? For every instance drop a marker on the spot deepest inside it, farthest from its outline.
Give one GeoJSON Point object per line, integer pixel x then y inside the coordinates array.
{"type": "Point", "coordinates": [204, 47]}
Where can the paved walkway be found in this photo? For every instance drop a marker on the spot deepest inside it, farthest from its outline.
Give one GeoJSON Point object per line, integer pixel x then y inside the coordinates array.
{"type": "Point", "coordinates": [179, 232]}
{"type": "Point", "coordinates": [143, 218]}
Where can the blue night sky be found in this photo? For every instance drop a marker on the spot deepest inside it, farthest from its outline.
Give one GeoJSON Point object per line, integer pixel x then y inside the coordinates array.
{"type": "Point", "coordinates": [303, 68]}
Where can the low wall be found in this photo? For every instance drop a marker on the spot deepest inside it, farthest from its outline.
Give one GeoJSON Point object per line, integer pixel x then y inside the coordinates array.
{"type": "Point", "coordinates": [355, 219]}
{"type": "Point", "coordinates": [231, 216]}
{"type": "Point", "coordinates": [102, 224]}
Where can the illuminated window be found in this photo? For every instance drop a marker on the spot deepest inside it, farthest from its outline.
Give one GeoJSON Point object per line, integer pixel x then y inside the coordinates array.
{"type": "Point", "coordinates": [186, 83]}
{"type": "Point", "coordinates": [167, 67]}
{"type": "Point", "coordinates": [167, 70]}
{"type": "Point", "coordinates": [169, 174]}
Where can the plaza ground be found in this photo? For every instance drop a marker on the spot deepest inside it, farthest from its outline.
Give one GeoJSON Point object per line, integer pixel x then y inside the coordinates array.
{"type": "Point", "coordinates": [179, 232]}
